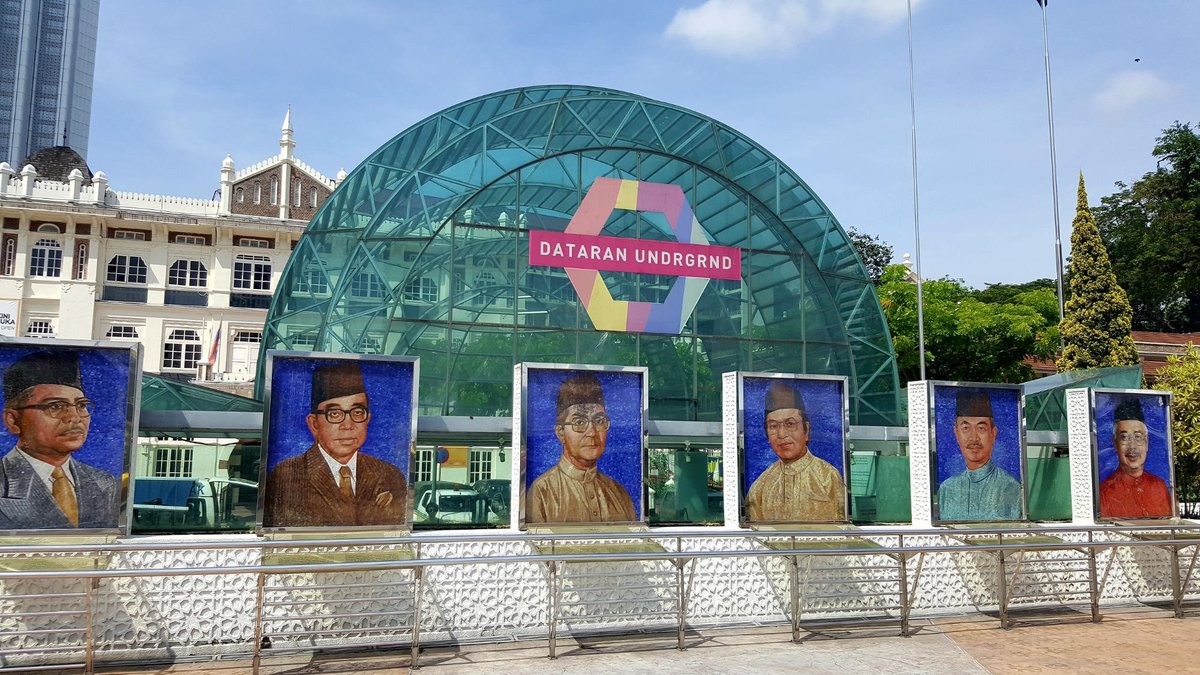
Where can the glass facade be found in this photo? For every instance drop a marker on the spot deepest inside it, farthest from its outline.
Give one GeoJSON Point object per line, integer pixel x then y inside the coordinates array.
{"type": "Point", "coordinates": [424, 251]}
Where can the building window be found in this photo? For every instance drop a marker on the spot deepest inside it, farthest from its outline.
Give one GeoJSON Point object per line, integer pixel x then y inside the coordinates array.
{"type": "Point", "coordinates": [248, 336]}
{"type": "Point", "coordinates": [302, 341]}
{"type": "Point", "coordinates": [122, 332]}
{"type": "Point", "coordinates": [252, 273]}
{"type": "Point", "coordinates": [485, 278]}
{"type": "Point", "coordinates": [312, 280]}
{"type": "Point", "coordinates": [371, 344]}
{"type": "Point", "coordinates": [81, 260]}
{"type": "Point", "coordinates": [366, 285]}
{"type": "Point", "coordinates": [126, 269]}
{"type": "Point", "coordinates": [173, 462]}
{"type": "Point", "coordinates": [423, 464]}
{"type": "Point", "coordinates": [253, 242]}
{"type": "Point", "coordinates": [422, 290]}
{"type": "Point", "coordinates": [479, 465]}
{"type": "Point", "coordinates": [296, 191]}
{"type": "Point", "coordinates": [188, 273]}
{"type": "Point", "coordinates": [10, 254]}
{"type": "Point", "coordinates": [312, 198]}
{"type": "Point", "coordinates": [195, 239]}
{"type": "Point", "coordinates": [257, 192]}
{"type": "Point", "coordinates": [49, 228]}
{"type": "Point", "coordinates": [40, 328]}
{"type": "Point", "coordinates": [241, 195]}
{"type": "Point", "coordinates": [131, 235]}
{"type": "Point", "coordinates": [46, 259]}
{"type": "Point", "coordinates": [181, 351]}
{"type": "Point", "coordinates": [274, 191]}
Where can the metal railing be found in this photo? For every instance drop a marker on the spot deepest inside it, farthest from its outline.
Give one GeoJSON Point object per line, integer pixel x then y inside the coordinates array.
{"type": "Point", "coordinates": [682, 548]}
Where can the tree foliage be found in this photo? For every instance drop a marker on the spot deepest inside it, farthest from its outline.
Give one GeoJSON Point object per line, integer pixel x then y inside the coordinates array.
{"type": "Point", "coordinates": [966, 337]}
{"type": "Point", "coordinates": [876, 253]}
{"type": "Point", "coordinates": [1152, 231]}
{"type": "Point", "coordinates": [1097, 322]}
{"type": "Point", "coordinates": [1181, 376]}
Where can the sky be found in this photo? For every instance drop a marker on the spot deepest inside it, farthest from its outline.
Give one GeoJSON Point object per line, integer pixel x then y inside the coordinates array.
{"type": "Point", "coordinates": [821, 84]}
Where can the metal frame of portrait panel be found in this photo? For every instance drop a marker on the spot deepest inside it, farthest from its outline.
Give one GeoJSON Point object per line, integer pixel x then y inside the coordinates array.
{"type": "Point", "coordinates": [1160, 451]}
{"type": "Point", "coordinates": [392, 426]}
{"type": "Point", "coordinates": [627, 409]}
{"type": "Point", "coordinates": [110, 371]}
{"type": "Point", "coordinates": [827, 403]}
{"type": "Point", "coordinates": [947, 460]}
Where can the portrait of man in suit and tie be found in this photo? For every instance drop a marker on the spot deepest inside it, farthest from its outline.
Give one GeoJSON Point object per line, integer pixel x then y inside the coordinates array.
{"type": "Point", "coordinates": [333, 482]}
{"type": "Point", "coordinates": [42, 483]}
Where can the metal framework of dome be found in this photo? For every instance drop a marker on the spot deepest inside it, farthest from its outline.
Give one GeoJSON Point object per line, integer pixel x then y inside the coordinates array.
{"type": "Point", "coordinates": [424, 251]}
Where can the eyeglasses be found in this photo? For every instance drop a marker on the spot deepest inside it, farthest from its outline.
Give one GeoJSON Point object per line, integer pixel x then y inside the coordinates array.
{"type": "Point", "coordinates": [60, 409]}
{"type": "Point", "coordinates": [357, 414]}
{"type": "Point", "coordinates": [1136, 438]}
{"type": "Point", "coordinates": [581, 424]}
{"type": "Point", "coordinates": [790, 425]}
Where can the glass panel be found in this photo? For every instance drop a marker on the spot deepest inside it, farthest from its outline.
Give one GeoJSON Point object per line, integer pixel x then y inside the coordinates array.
{"type": "Point", "coordinates": [879, 482]}
{"type": "Point", "coordinates": [185, 486]}
{"type": "Point", "coordinates": [685, 486]}
{"type": "Point", "coordinates": [1048, 482]}
{"type": "Point", "coordinates": [461, 486]}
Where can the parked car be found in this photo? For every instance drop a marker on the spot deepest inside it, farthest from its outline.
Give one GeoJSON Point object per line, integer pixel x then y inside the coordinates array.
{"type": "Point", "coordinates": [497, 492]}
{"type": "Point", "coordinates": [448, 503]}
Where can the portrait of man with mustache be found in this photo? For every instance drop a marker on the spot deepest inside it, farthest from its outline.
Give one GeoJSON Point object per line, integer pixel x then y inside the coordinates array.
{"type": "Point", "coordinates": [984, 491]}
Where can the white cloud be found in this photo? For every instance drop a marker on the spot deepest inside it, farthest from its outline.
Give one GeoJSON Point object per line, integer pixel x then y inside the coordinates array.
{"type": "Point", "coordinates": [1130, 88]}
{"type": "Point", "coordinates": [753, 28]}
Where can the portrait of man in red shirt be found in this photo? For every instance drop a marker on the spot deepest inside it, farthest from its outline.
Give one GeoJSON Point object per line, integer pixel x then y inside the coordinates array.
{"type": "Point", "coordinates": [1131, 491]}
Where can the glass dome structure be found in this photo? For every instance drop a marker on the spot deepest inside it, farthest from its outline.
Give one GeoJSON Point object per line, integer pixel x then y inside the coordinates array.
{"type": "Point", "coordinates": [424, 251]}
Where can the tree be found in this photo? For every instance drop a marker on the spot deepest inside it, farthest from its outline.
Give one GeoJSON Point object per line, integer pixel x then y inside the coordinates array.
{"type": "Point", "coordinates": [1096, 328]}
{"type": "Point", "coordinates": [1154, 225]}
{"type": "Point", "coordinates": [965, 337]}
{"type": "Point", "coordinates": [876, 254]}
{"type": "Point", "coordinates": [1181, 376]}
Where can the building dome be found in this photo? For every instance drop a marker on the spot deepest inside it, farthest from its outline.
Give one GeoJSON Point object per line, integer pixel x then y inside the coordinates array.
{"type": "Point", "coordinates": [425, 250]}
{"type": "Point", "coordinates": [56, 164]}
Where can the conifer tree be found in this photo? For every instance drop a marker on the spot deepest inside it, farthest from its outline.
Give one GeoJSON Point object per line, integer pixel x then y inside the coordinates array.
{"type": "Point", "coordinates": [1096, 329]}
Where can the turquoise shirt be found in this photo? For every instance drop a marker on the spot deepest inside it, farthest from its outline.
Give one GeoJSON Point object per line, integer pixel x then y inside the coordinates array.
{"type": "Point", "coordinates": [987, 493]}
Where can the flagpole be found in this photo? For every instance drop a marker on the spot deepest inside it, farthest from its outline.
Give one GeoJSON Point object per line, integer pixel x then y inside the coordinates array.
{"type": "Point", "coordinates": [912, 104]}
{"type": "Point", "coordinates": [1058, 255]}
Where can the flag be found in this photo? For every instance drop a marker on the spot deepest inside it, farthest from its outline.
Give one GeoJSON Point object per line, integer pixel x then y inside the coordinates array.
{"type": "Point", "coordinates": [212, 356]}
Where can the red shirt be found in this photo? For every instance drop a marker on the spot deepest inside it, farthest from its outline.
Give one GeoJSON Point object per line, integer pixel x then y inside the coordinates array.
{"type": "Point", "coordinates": [1123, 496]}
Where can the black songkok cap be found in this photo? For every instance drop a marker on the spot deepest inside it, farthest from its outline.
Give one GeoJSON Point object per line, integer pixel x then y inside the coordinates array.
{"type": "Point", "coordinates": [781, 396]}
{"type": "Point", "coordinates": [42, 368]}
{"type": "Point", "coordinates": [577, 390]}
{"type": "Point", "coordinates": [1130, 408]}
{"type": "Point", "coordinates": [973, 403]}
{"type": "Point", "coordinates": [335, 381]}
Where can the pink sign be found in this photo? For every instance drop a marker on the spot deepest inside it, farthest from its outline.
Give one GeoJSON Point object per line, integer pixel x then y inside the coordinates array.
{"type": "Point", "coordinates": [640, 256]}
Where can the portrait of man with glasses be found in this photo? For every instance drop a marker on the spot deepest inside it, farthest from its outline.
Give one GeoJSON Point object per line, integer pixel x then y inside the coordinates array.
{"type": "Point", "coordinates": [42, 484]}
{"type": "Point", "coordinates": [798, 486]}
{"type": "Point", "coordinates": [1131, 490]}
{"type": "Point", "coordinates": [332, 483]}
{"type": "Point", "coordinates": [575, 490]}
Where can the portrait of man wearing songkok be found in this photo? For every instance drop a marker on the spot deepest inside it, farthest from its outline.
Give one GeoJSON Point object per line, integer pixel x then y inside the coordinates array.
{"type": "Point", "coordinates": [42, 483]}
{"type": "Point", "coordinates": [575, 490]}
{"type": "Point", "coordinates": [984, 490]}
{"type": "Point", "coordinates": [799, 486]}
{"type": "Point", "coordinates": [1130, 490]}
{"type": "Point", "coordinates": [332, 483]}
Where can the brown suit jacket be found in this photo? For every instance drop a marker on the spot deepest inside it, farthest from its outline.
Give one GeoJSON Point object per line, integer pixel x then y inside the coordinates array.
{"type": "Point", "coordinates": [301, 492]}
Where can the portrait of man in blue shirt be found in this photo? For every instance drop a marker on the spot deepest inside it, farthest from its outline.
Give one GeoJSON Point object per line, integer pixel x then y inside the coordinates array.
{"type": "Point", "coordinates": [983, 491]}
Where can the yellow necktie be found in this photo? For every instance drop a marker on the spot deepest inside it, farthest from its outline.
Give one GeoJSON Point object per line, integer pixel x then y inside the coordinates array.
{"type": "Point", "coordinates": [344, 483]}
{"type": "Point", "coordinates": [64, 494]}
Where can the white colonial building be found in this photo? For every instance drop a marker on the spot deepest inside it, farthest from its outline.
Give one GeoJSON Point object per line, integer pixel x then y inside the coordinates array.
{"type": "Point", "coordinates": [190, 279]}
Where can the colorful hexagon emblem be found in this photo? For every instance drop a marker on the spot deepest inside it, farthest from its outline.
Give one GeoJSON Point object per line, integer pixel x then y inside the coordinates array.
{"type": "Point", "coordinates": [584, 253]}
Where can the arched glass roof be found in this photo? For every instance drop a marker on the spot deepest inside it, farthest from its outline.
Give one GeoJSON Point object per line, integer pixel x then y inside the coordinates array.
{"type": "Point", "coordinates": [424, 250]}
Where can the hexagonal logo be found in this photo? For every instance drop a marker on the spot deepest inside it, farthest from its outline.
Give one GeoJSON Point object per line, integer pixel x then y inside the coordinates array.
{"type": "Point", "coordinates": [583, 252]}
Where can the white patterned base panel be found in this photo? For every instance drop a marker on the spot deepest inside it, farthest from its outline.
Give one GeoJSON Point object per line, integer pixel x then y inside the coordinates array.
{"type": "Point", "coordinates": [168, 617]}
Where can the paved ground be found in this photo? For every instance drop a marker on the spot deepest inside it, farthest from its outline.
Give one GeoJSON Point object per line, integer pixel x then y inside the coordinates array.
{"type": "Point", "coordinates": [1059, 641]}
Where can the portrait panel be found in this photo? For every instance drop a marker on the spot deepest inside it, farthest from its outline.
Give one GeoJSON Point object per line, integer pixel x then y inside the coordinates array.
{"type": "Point", "coordinates": [793, 455]}
{"type": "Point", "coordinates": [70, 415]}
{"type": "Point", "coordinates": [582, 444]}
{"type": "Point", "coordinates": [338, 436]}
{"type": "Point", "coordinates": [1134, 459]}
{"type": "Point", "coordinates": [979, 440]}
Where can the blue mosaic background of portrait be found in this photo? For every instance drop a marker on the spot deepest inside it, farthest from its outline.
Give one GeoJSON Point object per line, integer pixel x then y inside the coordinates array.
{"type": "Point", "coordinates": [1158, 453]}
{"type": "Point", "coordinates": [622, 458]}
{"type": "Point", "coordinates": [389, 385]}
{"type": "Point", "coordinates": [824, 405]}
{"type": "Point", "coordinates": [1006, 453]}
{"type": "Point", "coordinates": [105, 374]}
